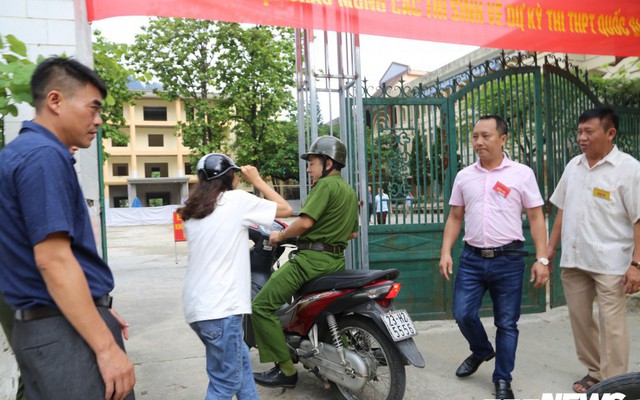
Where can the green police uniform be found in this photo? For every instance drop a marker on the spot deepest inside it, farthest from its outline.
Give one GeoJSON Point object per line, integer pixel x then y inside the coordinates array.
{"type": "Point", "coordinates": [333, 205]}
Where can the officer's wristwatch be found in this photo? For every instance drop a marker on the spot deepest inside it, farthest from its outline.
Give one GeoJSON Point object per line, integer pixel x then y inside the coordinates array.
{"type": "Point", "coordinates": [543, 261]}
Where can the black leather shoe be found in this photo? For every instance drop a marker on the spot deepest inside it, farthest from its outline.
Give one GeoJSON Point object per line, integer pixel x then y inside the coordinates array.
{"type": "Point", "coordinates": [471, 364]}
{"type": "Point", "coordinates": [275, 378]}
{"type": "Point", "coordinates": [503, 390]}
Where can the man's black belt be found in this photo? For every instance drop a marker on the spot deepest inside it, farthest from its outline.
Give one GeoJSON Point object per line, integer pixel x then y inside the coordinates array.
{"type": "Point", "coordinates": [514, 247]}
{"type": "Point", "coordinates": [320, 247]}
{"type": "Point", "coordinates": [46, 312]}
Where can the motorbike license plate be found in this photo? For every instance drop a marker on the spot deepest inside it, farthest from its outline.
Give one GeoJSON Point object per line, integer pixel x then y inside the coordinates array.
{"type": "Point", "coordinates": [399, 325]}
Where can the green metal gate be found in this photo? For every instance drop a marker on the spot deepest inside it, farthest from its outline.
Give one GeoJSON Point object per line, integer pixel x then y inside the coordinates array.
{"type": "Point", "coordinates": [417, 141]}
{"type": "Point", "coordinates": [404, 153]}
{"type": "Point", "coordinates": [417, 138]}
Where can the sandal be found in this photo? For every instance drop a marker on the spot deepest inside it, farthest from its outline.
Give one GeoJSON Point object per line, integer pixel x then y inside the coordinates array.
{"type": "Point", "coordinates": [584, 384]}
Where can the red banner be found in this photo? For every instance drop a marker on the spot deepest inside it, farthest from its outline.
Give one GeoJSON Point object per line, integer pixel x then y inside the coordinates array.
{"type": "Point", "coordinates": [570, 26]}
{"type": "Point", "coordinates": [178, 228]}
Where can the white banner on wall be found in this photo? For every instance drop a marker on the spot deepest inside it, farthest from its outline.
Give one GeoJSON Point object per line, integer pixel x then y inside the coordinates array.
{"type": "Point", "coordinates": [140, 215]}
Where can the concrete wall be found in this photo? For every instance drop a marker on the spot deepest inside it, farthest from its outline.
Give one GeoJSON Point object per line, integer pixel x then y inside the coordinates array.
{"type": "Point", "coordinates": [48, 27]}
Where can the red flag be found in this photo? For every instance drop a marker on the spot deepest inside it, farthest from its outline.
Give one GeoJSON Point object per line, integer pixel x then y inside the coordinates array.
{"type": "Point", "coordinates": [571, 26]}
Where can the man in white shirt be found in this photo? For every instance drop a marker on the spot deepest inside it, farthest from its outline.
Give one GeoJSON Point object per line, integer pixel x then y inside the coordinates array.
{"type": "Point", "coordinates": [382, 206]}
{"type": "Point", "coordinates": [598, 224]}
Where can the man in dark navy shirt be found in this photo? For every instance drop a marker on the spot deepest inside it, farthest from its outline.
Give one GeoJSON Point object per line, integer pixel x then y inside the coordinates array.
{"type": "Point", "coordinates": [67, 342]}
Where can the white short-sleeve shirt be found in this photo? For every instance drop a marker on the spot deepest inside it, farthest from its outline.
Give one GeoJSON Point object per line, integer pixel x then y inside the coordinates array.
{"type": "Point", "coordinates": [218, 279]}
{"type": "Point", "coordinates": [600, 206]}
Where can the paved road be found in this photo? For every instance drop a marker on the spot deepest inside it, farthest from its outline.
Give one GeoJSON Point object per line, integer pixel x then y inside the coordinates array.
{"type": "Point", "coordinates": [170, 363]}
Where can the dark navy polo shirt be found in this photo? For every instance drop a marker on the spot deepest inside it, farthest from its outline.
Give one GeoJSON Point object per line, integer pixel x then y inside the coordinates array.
{"type": "Point", "coordinates": [40, 195]}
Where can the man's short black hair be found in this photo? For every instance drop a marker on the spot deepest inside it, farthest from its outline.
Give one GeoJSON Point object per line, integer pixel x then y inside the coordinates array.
{"type": "Point", "coordinates": [606, 115]}
{"type": "Point", "coordinates": [63, 74]}
{"type": "Point", "coordinates": [501, 124]}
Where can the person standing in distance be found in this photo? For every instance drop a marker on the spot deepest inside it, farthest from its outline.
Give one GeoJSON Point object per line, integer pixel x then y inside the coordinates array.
{"type": "Point", "coordinates": [369, 203]}
{"type": "Point", "coordinates": [598, 226]}
{"type": "Point", "coordinates": [217, 289]}
{"type": "Point", "coordinates": [327, 221]}
{"type": "Point", "coordinates": [489, 196]}
{"type": "Point", "coordinates": [50, 270]}
{"type": "Point", "coordinates": [382, 206]}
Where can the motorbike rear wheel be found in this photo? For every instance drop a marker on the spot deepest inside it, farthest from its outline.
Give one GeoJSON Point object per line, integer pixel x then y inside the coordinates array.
{"type": "Point", "coordinates": [627, 384]}
{"type": "Point", "coordinates": [387, 375]}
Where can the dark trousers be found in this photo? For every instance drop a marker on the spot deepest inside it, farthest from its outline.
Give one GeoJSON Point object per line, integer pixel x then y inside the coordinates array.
{"type": "Point", "coordinates": [56, 363]}
{"type": "Point", "coordinates": [6, 320]}
{"type": "Point", "coordinates": [382, 217]}
{"type": "Point", "coordinates": [502, 278]}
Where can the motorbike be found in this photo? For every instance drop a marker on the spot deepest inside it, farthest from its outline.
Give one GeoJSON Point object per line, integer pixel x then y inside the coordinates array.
{"type": "Point", "coordinates": [343, 327]}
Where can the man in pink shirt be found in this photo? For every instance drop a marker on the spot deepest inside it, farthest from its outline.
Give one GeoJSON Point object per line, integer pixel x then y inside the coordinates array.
{"type": "Point", "coordinates": [489, 196]}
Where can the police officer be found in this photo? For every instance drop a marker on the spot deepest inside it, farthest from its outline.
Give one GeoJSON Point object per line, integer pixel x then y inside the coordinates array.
{"type": "Point", "coordinates": [328, 219]}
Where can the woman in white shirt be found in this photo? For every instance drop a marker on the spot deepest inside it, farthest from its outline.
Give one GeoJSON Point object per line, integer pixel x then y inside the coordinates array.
{"type": "Point", "coordinates": [217, 290]}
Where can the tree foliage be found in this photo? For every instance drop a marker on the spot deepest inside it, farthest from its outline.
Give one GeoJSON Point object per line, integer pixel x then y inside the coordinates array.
{"type": "Point", "coordinates": [230, 78]}
{"type": "Point", "coordinates": [15, 78]}
{"type": "Point", "coordinates": [181, 54]}
{"type": "Point", "coordinates": [110, 64]}
{"type": "Point", "coordinates": [618, 90]}
{"type": "Point", "coordinates": [280, 162]}
{"type": "Point", "coordinates": [257, 75]}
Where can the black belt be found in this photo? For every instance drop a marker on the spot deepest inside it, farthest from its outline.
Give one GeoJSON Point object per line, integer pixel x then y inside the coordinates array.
{"type": "Point", "coordinates": [514, 247]}
{"type": "Point", "coordinates": [46, 312]}
{"type": "Point", "coordinates": [320, 247]}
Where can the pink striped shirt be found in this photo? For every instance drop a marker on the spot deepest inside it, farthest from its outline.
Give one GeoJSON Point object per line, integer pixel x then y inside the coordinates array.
{"type": "Point", "coordinates": [493, 201]}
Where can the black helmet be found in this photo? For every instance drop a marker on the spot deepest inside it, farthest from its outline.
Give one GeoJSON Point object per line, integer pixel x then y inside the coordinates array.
{"type": "Point", "coordinates": [216, 165]}
{"type": "Point", "coordinates": [328, 146]}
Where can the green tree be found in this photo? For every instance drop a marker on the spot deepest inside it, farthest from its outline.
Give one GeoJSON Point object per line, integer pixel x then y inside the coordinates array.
{"type": "Point", "coordinates": [110, 64]}
{"type": "Point", "coordinates": [181, 54]}
{"type": "Point", "coordinates": [257, 69]}
{"type": "Point", "coordinates": [229, 78]}
{"type": "Point", "coordinates": [618, 90]}
{"type": "Point", "coordinates": [281, 160]}
{"type": "Point", "coordinates": [15, 78]}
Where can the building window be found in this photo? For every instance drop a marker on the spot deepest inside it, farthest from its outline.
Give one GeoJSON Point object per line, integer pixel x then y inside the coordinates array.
{"type": "Point", "coordinates": [156, 140]}
{"type": "Point", "coordinates": [158, 199]}
{"type": "Point", "coordinates": [156, 170]}
{"type": "Point", "coordinates": [154, 113]}
{"type": "Point", "coordinates": [120, 169]}
{"type": "Point", "coordinates": [187, 169]}
{"type": "Point", "coordinates": [120, 202]}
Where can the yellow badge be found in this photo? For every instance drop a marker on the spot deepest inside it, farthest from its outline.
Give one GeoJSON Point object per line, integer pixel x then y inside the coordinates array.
{"type": "Point", "coordinates": [603, 194]}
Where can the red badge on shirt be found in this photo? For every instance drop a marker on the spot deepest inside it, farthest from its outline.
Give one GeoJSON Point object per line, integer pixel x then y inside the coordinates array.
{"type": "Point", "coordinates": [502, 189]}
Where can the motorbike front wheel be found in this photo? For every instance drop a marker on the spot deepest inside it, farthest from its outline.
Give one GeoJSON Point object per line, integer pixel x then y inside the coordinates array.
{"type": "Point", "coordinates": [628, 384]}
{"type": "Point", "coordinates": [387, 377]}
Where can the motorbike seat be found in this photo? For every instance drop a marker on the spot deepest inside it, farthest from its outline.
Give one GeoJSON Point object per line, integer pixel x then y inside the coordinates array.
{"type": "Point", "coordinates": [349, 279]}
